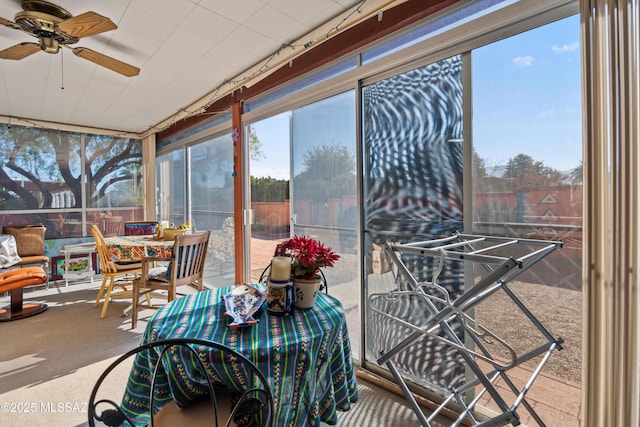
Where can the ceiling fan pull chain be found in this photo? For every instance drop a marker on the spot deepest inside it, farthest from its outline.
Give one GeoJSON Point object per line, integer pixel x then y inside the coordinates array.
{"type": "Point", "coordinates": [62, 69]}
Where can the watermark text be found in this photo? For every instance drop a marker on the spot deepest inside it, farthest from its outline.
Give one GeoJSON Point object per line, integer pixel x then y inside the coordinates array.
{"type": "Point", "coordinates": [42, 407]}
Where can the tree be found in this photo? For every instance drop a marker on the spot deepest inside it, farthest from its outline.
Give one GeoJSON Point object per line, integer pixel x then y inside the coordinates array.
{"type": "Point", "coordinates": [255, 146]}
{"type": "Point", "coordinates": [327, 160]}
{"type": "Point", "coordinates": [576, 174]}
{"type": "Point", "coordinates": [267, 189]}
{"type": "Point", "coordinates": [37, 162]}
{"type": "Point", "coordinates": [528, 171]}
{"type": "Point", "coordinates": [22, 149]}
{"type": "Point", "coordinates": [479, 165]}
{"type": "Point", "coordinates": [328, 172]}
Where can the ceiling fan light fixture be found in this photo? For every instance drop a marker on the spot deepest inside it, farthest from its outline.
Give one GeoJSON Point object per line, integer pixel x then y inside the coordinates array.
{"type": "Point", "coordinates": [49, 45]}
{"type": "Point", "coordinates": [36, 22]}
{"type": "Point", "coordinates": [54, 26]}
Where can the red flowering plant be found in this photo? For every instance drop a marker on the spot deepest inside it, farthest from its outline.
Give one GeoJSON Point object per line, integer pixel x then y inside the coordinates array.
{"type": "Point", "coordinates": [307, 256]}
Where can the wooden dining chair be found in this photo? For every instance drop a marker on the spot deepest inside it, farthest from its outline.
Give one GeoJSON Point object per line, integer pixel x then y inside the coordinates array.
{"type": "Point", "coordinates": [185, 267]}
{"type": "Point", "coordinates": [114, 274]}
{"type": "Point", "coordinates": [113, 226]}
{"type": "Point", "coordinates": [246, 402]}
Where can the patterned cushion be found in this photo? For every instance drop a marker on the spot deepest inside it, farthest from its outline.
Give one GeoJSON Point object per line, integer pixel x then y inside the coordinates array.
{"type": "Point", "coordinates": [141, 229]}
{"type": "Point", "coordinates": [29, 239]}
{"type": "Point", "coordinates": [8, 252]}
{"type": "Point", "coordinates": [162, 274]}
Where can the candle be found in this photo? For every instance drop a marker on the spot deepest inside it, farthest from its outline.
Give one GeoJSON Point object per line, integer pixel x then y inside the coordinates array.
{"type": "Point", "coordinates": [164, 224]}
{"type": "Point", "coordinates": [281, 268]}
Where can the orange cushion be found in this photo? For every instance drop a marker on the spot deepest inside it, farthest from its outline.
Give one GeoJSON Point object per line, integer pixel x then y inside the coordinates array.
{"type": "Point", "coordinates": [21, 277]}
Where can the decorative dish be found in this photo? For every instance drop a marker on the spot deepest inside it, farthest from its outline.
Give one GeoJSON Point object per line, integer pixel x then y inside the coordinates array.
{"type": "Point", "coordinates": [241, 304]}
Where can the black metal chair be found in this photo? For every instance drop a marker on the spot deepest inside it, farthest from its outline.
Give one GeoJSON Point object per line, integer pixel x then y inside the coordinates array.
{"type": "Point", "coordinates": [219, 407]}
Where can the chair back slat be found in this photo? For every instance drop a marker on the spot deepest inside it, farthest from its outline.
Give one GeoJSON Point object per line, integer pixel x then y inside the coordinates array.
{"type": "Point", "coordinates": [189, 256]}
{"type": "Point", "coordinates": [113, 226]}
{"type": "Point", "coordinates": [106, 264]}
{"type": "Point", "coordinates": [186, 267]}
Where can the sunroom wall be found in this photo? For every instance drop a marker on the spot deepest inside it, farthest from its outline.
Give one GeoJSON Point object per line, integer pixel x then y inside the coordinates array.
{"type": "Point", "coordinates": [397, 62]}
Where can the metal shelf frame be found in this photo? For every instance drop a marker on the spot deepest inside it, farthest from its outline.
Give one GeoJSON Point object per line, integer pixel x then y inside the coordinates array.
{"type": "Point", "coordinates": [443, 311]}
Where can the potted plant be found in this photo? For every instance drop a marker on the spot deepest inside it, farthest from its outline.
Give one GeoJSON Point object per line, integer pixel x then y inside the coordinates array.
{"type": "Point", "coordinates": [307, 257]}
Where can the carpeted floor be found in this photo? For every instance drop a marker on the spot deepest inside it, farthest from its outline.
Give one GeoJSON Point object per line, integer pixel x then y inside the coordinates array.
{"type": "Point", "coordinates": [49, 363]}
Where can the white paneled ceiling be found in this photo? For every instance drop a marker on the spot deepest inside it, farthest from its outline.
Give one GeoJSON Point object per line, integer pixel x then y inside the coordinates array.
{"type": "Point", "coordinates": [185, 49]}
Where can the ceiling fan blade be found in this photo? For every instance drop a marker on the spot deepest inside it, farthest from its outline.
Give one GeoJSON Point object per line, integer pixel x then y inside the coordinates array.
{"type": "Point", "coordinates": [8, 23]}
{"type": "Point", "coordinates": [20, 51]}
{"type": "Point", "coordinates": [86, 24]}
{"type": "Point", "coordinates": [106, 61]}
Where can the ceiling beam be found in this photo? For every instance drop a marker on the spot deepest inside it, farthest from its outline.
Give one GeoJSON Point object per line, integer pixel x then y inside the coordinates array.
{"type": "Point", "coordinates": [9, 120]}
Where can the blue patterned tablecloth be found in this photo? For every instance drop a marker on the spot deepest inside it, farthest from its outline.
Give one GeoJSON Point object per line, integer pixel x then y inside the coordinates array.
{"type": "Point", "coordinates": [306, 356]}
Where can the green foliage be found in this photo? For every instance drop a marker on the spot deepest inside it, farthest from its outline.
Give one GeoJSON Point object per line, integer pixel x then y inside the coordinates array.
{"type": "Point", "coordinates": [255, 146]}
{"type": "Point", "coordinates": [576, 174]}
{"type": "Point", "coordinates": [329, 172]}
{"type": "Point", "coordinates": [523, 168]}
{"type": "Point", "coordinates": [333, 160]}
{"type": "Point", "coordinates": [38, 163]}
{"type": "Point", "coordinates": [521, 174]}
{"type": "Point", "coordinates": [479, 165]}
{"type": "Point", "coordinates": [269, 189]}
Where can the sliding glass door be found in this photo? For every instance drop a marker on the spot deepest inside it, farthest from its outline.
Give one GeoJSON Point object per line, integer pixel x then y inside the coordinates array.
{"type": "Point", "coordinates": [302, 170]}
{"type": "Point", "coordinates": [412, 141]}
{"type": "Point", "coordinates": [269, 149]}
{"type": "Point", "coordinates": [211, 204]}
{"type": "Point", "coordinates": [522, 157]}
{"type": "Point", "coordinates": [196, 184]}
{"type": "Point", "coordinates": [527, 183]}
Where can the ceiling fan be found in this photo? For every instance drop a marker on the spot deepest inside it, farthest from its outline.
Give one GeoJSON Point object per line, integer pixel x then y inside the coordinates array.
{"type": "Point", "coordinates": [55, 27]}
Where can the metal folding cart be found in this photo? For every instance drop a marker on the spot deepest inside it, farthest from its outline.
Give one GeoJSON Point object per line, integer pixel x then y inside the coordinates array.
{"type": "Point", "coordinates": [488, 357]}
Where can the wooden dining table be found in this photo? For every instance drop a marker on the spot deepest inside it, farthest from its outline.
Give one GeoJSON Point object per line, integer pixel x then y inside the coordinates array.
{"type": "Point", "coordinates": [134, 248]}
{"type": "Point", "coordinates": [306, 357]}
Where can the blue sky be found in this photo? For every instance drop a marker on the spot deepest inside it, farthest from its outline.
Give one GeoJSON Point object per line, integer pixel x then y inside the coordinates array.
{"type": "Point", "coordinates": [526, 99]}
{"type": "Point", "coordinates": [527, 96]}
{"type": "Point", "coordinates": [274, 138]}
{"type": "Point", "coordinates": [330, 121]}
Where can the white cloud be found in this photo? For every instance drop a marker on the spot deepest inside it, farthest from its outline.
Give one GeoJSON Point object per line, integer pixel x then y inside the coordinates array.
{"type": "Point", "coordinates": [565, 47]}
{"type": "Point", "coordinates": [562, 112]}
{"type": "Point", "coordinates": [523, 61]}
